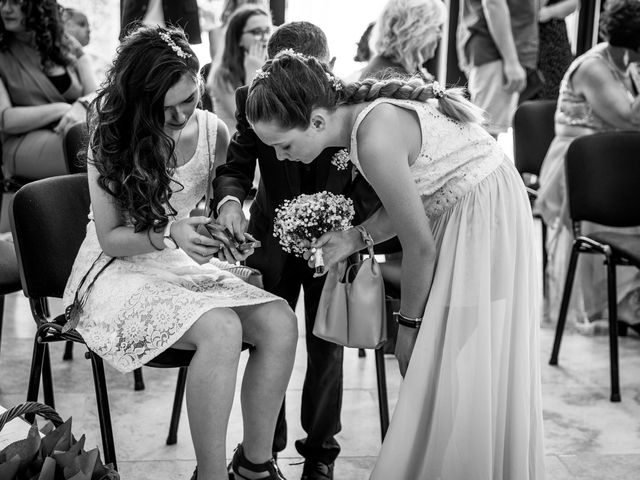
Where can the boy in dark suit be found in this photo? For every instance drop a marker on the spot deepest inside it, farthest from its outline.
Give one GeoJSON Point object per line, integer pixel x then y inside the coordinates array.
{"type": "Point", "coordinates": [284, 273]}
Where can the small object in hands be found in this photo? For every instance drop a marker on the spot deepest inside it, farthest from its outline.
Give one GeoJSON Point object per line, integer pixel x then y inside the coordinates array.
{"type": "Point", "coordinates": [167, 239]}
{"type": "Point", "coordinates": [248, 245]}
{"type": "Point", "coordinates": [318, 261]}
{"type": "Point", "coordinates": [222, 234]}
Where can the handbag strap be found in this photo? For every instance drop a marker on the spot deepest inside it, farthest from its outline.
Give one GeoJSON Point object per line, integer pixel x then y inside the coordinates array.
{"type": "Point", "coordinates": [209, 191]}
{"type": "Point", "coordinates": [366, 238]}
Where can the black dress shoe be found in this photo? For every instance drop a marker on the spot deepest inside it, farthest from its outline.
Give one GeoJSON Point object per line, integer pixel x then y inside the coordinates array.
{"type": "Point", "coordinates": [316, 470]}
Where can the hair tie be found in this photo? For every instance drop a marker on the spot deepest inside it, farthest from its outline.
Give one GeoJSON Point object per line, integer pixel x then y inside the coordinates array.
{"type": "Point", "coordinates": [438, 90]}
{"type": "Point", "coordinates": [335, 83]}
{"type": "Point", "coordinates": [169, 41]}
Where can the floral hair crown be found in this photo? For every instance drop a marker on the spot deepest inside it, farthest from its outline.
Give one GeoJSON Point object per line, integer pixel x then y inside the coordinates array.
{"type": "Point", "coordinates": [334, 81]}
{"type": "Point", "coordinates": [169, 41]}
{"type": "Point", "coordinates": [438, 90]}
{"type": "Point", "coordinates": [260, 74]}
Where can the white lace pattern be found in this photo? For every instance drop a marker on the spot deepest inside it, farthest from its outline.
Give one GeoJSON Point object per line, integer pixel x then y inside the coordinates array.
{"type": "Point", "coordinates": [141, 305]}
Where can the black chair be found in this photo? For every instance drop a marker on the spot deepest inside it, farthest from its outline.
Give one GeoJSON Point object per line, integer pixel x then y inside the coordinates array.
{"type": "Point", "coordinates": [533, 131]}
{"type": "Point", "coordinates": [603, 178]}
{"type": "Point", "coordinates": [48, 219]}
{"type": "Point", "coordinates": [9, 276]}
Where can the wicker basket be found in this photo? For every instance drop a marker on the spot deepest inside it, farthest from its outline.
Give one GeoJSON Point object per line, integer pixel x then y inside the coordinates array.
{"type": "Point", "coordinates": [19, 461]}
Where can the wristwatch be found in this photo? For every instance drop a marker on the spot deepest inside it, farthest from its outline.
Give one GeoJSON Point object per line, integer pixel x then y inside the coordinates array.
{"type": "Point", "coordinates": [168, 241]}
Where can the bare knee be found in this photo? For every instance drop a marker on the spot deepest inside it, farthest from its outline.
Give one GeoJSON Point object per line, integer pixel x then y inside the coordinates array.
{"type": "Point", "coordinates": [219, 328]}
{"type": "Point", "coordinates": [276, 324]}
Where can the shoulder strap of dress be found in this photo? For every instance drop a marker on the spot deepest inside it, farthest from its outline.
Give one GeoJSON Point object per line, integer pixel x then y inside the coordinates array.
{"type": "Point", "coordinates": [211, 152]}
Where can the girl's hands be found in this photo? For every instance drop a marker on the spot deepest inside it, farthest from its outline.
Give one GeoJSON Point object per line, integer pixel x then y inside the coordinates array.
{"type": "Point", "coordinates": [405, 342]}
{"type": "Point", "coordinates": [201, 248]}
{"type": "Point", "coordinates": [336, 246]}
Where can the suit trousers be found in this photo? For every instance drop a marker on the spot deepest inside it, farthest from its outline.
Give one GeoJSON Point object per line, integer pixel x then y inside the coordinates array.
{"type": "Point", "coordinates": [322, 389]}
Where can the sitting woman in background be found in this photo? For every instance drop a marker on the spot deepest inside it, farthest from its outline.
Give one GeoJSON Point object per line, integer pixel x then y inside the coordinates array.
{"type": "Point", "coordinates": [404, 37]}
{"type": "Point", "coordinates": [245, 51]}
{"type": "Point", "coordinates": [45, 85]}
{"type": "Point", "coordinates": [149, 281]}
{"type": "Point", "coordinates": [217, 33]}
{"type": "Point", "coordinates": [597, 94]}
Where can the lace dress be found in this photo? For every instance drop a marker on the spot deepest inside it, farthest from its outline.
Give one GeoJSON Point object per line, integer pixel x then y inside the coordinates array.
{"type": "Point", "coordinates": [140, 305]}
{"type": "Point", "coordinates": [470, 405]}
{"type": "Point", "coordinates": [574, 118]}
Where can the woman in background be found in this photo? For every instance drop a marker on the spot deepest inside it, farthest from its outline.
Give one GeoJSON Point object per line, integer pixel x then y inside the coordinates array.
{"type": "Point", "coordinates": [554, 50]}
{"type": "Point", "coordinates": [245, 50]}
{"type": "Point", "coordinates": [45, 84]}
{"type": "Point", "coordinates": [404, 37]}
{"type": "Point", "coordinates": [597, 94]}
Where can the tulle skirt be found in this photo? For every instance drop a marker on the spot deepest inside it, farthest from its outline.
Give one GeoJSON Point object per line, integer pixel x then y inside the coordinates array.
{"type": "Point", "coordinates": [470, 404]}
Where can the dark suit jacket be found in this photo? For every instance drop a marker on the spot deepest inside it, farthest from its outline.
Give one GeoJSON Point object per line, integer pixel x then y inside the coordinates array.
{"type": "Point", "coordinates": [280, 181]}
{"type": "Point", "coordinates": [183, 13]}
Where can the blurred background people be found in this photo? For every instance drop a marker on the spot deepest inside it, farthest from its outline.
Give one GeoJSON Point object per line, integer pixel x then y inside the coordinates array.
{"type": "Point", "coordinates": [77, 25]}
{"type": "Point", "coordinates": [404, 37]}
{"type": "Point", "coordinates": [181, 13]}
{"type": "Point", "coordinates": [497, 42]}
{"type": "Point", "coordinates": [45, 86]}
{"type": "Point", "coordinates": [554, 49]}
{"type": "Point", "coordinates": [597, 94]}
{"type": "Point", "coordinates": [245, 51]}
{"type": "Point", "coordinates": [217, 33]}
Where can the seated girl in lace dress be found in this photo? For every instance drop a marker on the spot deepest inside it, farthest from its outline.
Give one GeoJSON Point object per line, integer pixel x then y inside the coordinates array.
{"type": "Point", "coordinates": [149, 154]}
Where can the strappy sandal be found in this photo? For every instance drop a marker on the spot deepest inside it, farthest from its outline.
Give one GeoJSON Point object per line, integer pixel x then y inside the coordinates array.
{"type": "Point", "coordinates": [195, 475]}
{"type": "Point", "coordinates": [240, 464]}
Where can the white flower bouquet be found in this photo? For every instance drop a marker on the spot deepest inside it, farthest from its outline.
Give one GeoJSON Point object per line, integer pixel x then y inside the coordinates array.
{"type": "Point", "coordinates": [310, 216]}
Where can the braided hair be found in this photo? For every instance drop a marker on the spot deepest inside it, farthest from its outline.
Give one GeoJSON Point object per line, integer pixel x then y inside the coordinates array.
{"type": "Point", "coordinates": [291, 85]}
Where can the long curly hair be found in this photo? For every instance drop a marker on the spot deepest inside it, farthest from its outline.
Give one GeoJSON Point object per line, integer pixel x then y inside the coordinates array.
{"type": "Point", "coordinates": [231, 69]}
{"type": "Point", "coordinates": [405, 27]}
{"type": "Point", "coordinates": [43, 18]}
{"type": "Point", "coordinates": [620, 23]}
{"type": "Point", "coordinates": [132, 153]}
{"type": "Point", "coordinates": [291, 85]}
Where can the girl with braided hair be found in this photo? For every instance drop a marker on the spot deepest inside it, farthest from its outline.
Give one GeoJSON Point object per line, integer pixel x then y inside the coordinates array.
{"type": "Point", "coordinates": [469, 405]}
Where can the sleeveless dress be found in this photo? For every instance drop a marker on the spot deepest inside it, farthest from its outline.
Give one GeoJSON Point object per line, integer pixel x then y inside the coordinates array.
{"type": "Point", "coordinates": [554, 55]}
{"type": "Point", "coordinates": [470, 405]}
{"type": "Point", "coordinates": [141, 305]}
{"type": "Point", "coordinates": [574, 118]}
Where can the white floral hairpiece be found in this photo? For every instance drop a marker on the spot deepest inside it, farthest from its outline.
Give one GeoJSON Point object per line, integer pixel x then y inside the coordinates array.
{"type": "Point", "coordinates": [438, 90]}
{"type": "Point", "coordinates": [335, 83]}
{"type": "Point", "coordinates": [292, 52]}
{"type": "Point", "coordinates": [260, 74]}
{"type": "Point", "coordinates": [169, 41]}
{"type": "Point", "coordinates": [341, 159]}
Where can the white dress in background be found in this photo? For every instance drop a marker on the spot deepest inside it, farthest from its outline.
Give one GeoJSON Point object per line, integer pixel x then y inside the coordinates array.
{"type": "Point", "coordinates": [141, 305]}
{"type": "Point", "coordinates": [470, 406]}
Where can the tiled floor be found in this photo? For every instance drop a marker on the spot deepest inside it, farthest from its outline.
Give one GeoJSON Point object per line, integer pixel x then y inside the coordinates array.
{"type": "Point", "coordinates": [587, 437]}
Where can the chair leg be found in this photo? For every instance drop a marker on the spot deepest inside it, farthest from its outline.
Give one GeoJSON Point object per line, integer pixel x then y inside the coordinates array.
{"type": "Point", "coordinates": [104, 415]}
{"type": "Point", "coordinates": [138, 380]}
{"type": "Point", "coordinates": [543, 227]}
{"type": "Point", "coordinates": [47, 379]}
{"type": "Point", "coordinates": [1, 312]}
{"type": "Point", "coordinates": [34, 375]}
{"type": "Point", "coordinates": [383, 402]}
{"type": "Point", "coordinates": [613, 328]}
{"type": "Point", "coordinates": [181, 383]}
{"type": "Point", "coordinates": [362, 353]}
{"type": "Point", "coordinates": [564, 306]}
{"type": "Point", "coordinates": [68, 351]}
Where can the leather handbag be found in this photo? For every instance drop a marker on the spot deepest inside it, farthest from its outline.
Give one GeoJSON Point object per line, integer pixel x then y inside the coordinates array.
{"type": "Point", "coordinates": [351, 311]}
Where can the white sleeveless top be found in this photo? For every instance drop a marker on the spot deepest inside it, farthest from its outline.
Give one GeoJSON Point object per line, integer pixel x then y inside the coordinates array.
{"type": "Point", "coordinates": [453, 158]}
